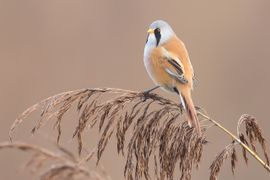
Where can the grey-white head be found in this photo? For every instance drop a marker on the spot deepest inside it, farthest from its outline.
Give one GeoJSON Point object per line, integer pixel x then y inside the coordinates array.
{"type": "Point", "coordinates": [159, 33]}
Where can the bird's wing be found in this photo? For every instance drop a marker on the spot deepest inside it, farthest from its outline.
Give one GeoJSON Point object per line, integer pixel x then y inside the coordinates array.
{"type": "Point", "coordinates": [173, 66]}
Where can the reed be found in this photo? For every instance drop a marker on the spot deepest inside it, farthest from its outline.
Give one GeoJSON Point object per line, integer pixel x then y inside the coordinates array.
{"type": "Point", "coordinates": [158, 128]}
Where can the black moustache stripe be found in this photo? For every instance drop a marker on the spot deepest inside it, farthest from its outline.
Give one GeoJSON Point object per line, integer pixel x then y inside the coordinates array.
{"type": "Point", "coordinates": [157, 35]}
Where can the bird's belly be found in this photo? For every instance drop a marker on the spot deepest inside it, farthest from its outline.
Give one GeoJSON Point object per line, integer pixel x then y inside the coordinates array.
{"type": "Point", "coordinates": [159, 76]}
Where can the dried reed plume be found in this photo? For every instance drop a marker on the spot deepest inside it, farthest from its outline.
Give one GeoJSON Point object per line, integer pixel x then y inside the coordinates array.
{"type": "Point", "coordinates": [158, 129]}
{"type": "Point", "coordinates": [157, 125]}
{"type": "Point", "coordinates": [253, 133]}
{"type": "Point", "coordinates": [56, 165]}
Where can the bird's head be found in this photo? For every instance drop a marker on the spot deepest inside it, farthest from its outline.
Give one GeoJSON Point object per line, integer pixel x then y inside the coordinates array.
{"type": "Point", "coordinates": [159, 32]}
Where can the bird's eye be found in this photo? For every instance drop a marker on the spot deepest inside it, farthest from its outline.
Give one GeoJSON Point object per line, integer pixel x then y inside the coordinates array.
{"type": "Point", "coordinates": [157, 29]}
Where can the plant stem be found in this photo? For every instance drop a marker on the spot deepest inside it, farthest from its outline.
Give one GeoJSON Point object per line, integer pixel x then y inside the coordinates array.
{"type": "Point", "coordinates": [265, 165]}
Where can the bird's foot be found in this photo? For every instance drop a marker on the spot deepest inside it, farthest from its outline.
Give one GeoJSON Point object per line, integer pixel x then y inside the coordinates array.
{"type": "Point", "coordinates": [146, 93]}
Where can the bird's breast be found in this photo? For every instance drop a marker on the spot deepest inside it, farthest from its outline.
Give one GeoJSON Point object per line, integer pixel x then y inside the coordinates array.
{"type": "Point", "coordinates": [153, 64]}
{"type": "Point", "coordinates": [148, 62]}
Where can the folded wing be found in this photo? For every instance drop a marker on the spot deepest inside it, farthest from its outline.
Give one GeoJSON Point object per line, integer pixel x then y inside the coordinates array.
{"type": "Point", "coordinates": [174, 67]}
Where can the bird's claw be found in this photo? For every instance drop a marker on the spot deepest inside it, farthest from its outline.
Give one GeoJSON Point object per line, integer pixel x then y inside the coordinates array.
{"type": "Point", "coordinates": [146, 93]}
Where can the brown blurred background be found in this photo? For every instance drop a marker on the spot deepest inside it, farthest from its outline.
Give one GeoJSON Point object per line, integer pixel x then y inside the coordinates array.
{"type": "Point", "coordinates": [51, 46]}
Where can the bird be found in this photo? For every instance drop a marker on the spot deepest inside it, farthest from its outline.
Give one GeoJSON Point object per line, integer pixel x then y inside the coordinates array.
{"type": "Point", "coordinates": [167, 62]}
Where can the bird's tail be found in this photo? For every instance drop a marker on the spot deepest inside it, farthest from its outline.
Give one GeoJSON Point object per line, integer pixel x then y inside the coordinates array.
{"type": "Point", "coordinates": [189, 107]}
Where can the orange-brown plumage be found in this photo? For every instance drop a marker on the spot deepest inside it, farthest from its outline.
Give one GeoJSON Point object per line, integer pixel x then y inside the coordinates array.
{"type": "Point", "coordinates": [158, 61]}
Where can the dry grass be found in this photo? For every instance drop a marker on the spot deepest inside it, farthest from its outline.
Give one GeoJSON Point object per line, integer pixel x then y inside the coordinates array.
{"type": "Point", "coordinates": [158, 129]}
{"type": "Point", "coordinates": [49, 165]}
{"type": "Point", "coordinates": [253, 133]}
{"type": "Point", "coordinates": [157, 126]}
{"type": "Point", "coordinates": [228, 151]}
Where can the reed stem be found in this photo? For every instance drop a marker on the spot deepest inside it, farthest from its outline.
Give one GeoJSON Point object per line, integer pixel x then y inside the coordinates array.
{"type": "Point", "coordinates": [256, 156]}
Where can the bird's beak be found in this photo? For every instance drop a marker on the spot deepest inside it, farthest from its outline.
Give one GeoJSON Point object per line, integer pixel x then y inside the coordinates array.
{"type": "Point", "coordinates": [150, 31]}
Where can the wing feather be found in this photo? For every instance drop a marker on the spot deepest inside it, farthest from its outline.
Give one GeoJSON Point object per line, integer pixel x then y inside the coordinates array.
{"type": "Point", "coordinates": [174, 67]}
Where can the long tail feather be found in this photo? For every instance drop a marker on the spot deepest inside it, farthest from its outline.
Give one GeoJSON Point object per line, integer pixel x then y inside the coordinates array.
{"type": "Point", "coordinates": [189, 107]}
